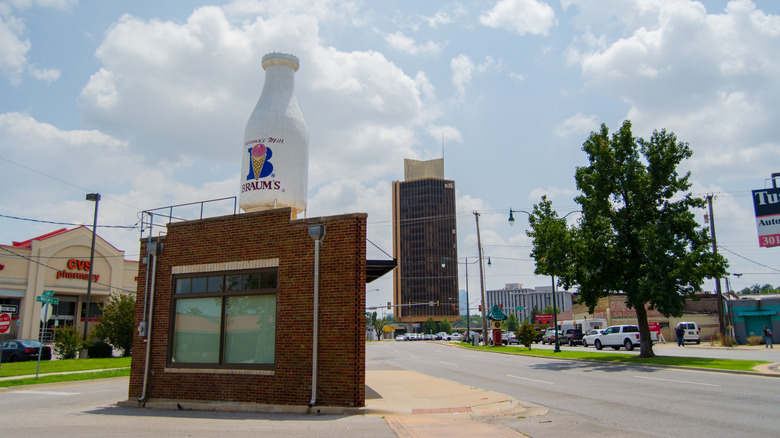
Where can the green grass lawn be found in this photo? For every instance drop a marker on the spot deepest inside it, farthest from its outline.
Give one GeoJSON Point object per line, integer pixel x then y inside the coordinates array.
{"type": "Point", "coordinates": [693, 362]}
{"type": "Point", "coordinates": [115, 367]}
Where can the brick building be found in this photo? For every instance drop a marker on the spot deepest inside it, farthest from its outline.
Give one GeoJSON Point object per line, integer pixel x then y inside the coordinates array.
{"type": "Point", "coordinates": [208, 344]}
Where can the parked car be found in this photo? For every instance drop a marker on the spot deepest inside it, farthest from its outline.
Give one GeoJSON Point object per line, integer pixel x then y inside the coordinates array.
{"type": "Point", "coordinates": [539, 334]}
{"type": "Point", "coordinates": [455, 336]}
{"type": "Point", "coordinates": [442, 336]}
{"type": "Point", "coordinates": [507, 338]}
{"type": "Point", "coordinates": [572, 337]}
{"type": "Point", "coordinates": [591, 336]}
{"type": "Point", "coordinates": [17, 350]}
{"type": "Point", "coordinates": [400, 338]}
{"type": "Point", "coordinates": [691, 331]}
{"type": "Point", "coordinates": [549, 336]}
{"type": "Point", "coordinates": [617, 336]}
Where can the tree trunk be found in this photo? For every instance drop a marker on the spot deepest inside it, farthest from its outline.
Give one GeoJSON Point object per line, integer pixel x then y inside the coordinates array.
{"type": "Point", "coordinates": [645, 341]}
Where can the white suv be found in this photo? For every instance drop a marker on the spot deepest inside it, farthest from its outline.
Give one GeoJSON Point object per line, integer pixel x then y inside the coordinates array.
{"type": "Point", "coordinates": [618, 336]}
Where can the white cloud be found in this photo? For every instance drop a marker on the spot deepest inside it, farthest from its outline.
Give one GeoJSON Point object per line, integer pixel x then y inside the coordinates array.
{"type": "Point", "coordinates": [439, 18]}
{"type": "Point", "coordinates": [402, 43]}
{"type": "Point", "coordinates": [462, 72]}
{"type": "Point", "coordinates": [54, 4]}
{"type": "Point", "coordinates": [13, 49]}
{"type": "Point", "coordinates": [521, 17]}
{"type": "Point", "coordinates": [578, 126]}
{"type": "Point", "coordinates": [710, 78]}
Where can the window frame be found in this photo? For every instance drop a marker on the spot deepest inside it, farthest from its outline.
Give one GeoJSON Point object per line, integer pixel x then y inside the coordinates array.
{"type": "Point", "coordinates": [223, 295]}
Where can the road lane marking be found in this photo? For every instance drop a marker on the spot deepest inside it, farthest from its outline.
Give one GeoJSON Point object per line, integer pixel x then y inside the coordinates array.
{"type": "Point", "coordinates": [531, 380]}
{"type": "Point", "coordinates": [30, 391]}
{"type": "Point", "coordinates": [447, 363]}
{"type": "Point", "coordinates": [676, 381]}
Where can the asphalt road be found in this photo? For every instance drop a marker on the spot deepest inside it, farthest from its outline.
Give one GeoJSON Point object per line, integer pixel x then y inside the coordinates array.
{"type": "Point", "coordinates": [587, 399]}
{"type": "Point", "coordinates": [584, 400]}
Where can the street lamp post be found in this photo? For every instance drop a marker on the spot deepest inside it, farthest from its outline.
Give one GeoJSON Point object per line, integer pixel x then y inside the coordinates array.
{"type": "Point", "coordinates": [96, 198]}
{"type": "Point", "coordinates": [468, 314]}
{"type": "Point", "coordinates": [555, 319]}
{"type": "Point", "coordinates": [555, 307]}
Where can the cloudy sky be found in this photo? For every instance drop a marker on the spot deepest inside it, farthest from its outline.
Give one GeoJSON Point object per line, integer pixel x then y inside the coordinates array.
{"type": "Point", "coordinates": [145, 102]}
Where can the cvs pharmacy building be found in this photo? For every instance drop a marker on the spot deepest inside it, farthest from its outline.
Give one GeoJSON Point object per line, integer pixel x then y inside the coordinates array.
{"type": "Point", "coordinates": [59, 262]}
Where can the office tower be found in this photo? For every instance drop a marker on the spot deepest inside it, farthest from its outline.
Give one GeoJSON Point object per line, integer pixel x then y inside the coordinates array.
{"type": "Point", "coordinates": [424, 235]}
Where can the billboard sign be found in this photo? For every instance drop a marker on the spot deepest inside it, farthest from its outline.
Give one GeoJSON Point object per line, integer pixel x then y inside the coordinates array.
{"type": "Point", "coordinates": [544, 318]}
{"type": "Point", "coordinates": [766, 203]}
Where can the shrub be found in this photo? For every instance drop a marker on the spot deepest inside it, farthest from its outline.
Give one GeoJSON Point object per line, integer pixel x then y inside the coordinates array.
{"type": "Point", "coordinates": [117, 322]}
{"type": "Point", "coordinates": [67, 341]}
{"type": "Point", "coordinates": [754, 340]}
{"type": "Point", "coordinates": [723, 340]}
{"type": "Point", "coordinates": [99, 349]}
{"type": "Point", "coordinates": [526, 334]}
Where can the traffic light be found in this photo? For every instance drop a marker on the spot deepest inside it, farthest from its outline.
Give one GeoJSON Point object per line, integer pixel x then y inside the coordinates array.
{"type": "Point", "coordinates": [437, 303]}
{"type": "Point", "coordinates": [454, 307]}
{"type": "Point", "coordinates": [501, 306]}
{"type": "Point", "coordinates": [480, 307]}
{"type": "Point", "coordinates": [389, 306]}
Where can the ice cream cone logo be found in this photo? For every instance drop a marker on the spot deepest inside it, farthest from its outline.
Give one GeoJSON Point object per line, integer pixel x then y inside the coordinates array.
{"type": "Point", "coordinates": [258, 159]}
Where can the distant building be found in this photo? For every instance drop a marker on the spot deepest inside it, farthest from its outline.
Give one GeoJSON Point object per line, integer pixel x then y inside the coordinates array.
{"type": "Point", "coordinates": [514, 296]}
{"type": "Point", "coordinates": [59, 262]}
{"type": "Point", "coordinates": [424, 233]}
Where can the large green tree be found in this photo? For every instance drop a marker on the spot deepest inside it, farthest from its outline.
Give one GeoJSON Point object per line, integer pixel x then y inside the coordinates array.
{"type": "Point", "coordinates": [117, 322]}
{"type": "Point", "coordinates": [512, 323]}
{"type": "Point", "coordinates": [429, 326]}
{"type": "Point", "coordinates": [445, 326]}
{"type": "Point", "coordinates": [637, 234]}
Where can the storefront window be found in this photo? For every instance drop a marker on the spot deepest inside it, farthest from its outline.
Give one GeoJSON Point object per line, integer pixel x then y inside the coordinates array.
{"type": "Point", "coordinates": [225, 320]}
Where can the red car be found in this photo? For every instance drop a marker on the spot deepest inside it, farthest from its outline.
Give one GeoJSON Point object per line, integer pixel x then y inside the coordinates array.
{"type": "Point", "coordinates": [18, 350]}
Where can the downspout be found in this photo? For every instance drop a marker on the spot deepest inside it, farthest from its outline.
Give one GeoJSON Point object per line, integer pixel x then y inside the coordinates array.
{"type": "Point", "coordinates": [142, 324]}
{"type": "Point", "coordinates": [154, 246]}
{"type": "Point", "coordinates": [316, 232]}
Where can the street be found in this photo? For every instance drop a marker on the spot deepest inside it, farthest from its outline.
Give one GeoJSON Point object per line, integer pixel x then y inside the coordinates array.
{"type": "Point", "coordinates": [583, 399]}
{"type": "Point", "coordinates": [587, 399]}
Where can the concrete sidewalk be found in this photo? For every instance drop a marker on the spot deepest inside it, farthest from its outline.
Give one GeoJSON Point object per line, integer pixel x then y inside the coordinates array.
{"type": "Point", "coordinates": [418, 405]}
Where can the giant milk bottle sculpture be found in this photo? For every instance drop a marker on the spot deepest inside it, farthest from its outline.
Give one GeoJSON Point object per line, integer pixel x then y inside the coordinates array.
{"type": "Point", "coordinates": [275, 164]}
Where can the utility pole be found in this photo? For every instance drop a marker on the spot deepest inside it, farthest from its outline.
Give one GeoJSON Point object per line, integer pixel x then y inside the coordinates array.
{"type": "Point", "coordinates": [481, 282]}
{"type": "Point", "coordinates": [721, 324]}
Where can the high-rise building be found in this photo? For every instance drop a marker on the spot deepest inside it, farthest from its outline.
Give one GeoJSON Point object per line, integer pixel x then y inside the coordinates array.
{"type": "Point", "coordinates": [425, 234]}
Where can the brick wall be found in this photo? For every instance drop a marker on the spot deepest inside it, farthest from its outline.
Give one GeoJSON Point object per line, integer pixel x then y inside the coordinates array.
{"type": "Point", "coordinates": [267, 235]}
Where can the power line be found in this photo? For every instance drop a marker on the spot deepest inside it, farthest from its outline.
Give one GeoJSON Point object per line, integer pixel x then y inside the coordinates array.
{"type": "Point", "coordinates": [128, 227]}
{"type": "Point", "coordinates": [743, 257]}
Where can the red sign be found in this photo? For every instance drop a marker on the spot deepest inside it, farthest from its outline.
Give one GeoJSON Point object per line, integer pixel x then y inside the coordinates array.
{"type": "Point", "coordinates": [545, 318]}
{"type": "Point", "coordinates": [5, 322]}
{"type": "Point", "coordinates": [654, 326]}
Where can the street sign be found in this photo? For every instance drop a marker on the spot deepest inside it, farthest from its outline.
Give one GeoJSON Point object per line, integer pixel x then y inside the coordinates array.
{"type": "Point", "coordinates": [520, 308]}
{"type": "Point", "coordinates": [5, 322]}
{"type": "Point", "coordinates": [46, 312]}
{"type": "Point", "coordinates": [47, 300]}
{"type": "Point", "coordinates": [8, 308]}
{"type": "Point", "coordinates": [48, 293]}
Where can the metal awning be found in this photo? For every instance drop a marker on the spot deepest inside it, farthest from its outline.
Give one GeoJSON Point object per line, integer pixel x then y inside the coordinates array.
{"type": "Point", "coordinates": [377, 268]}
